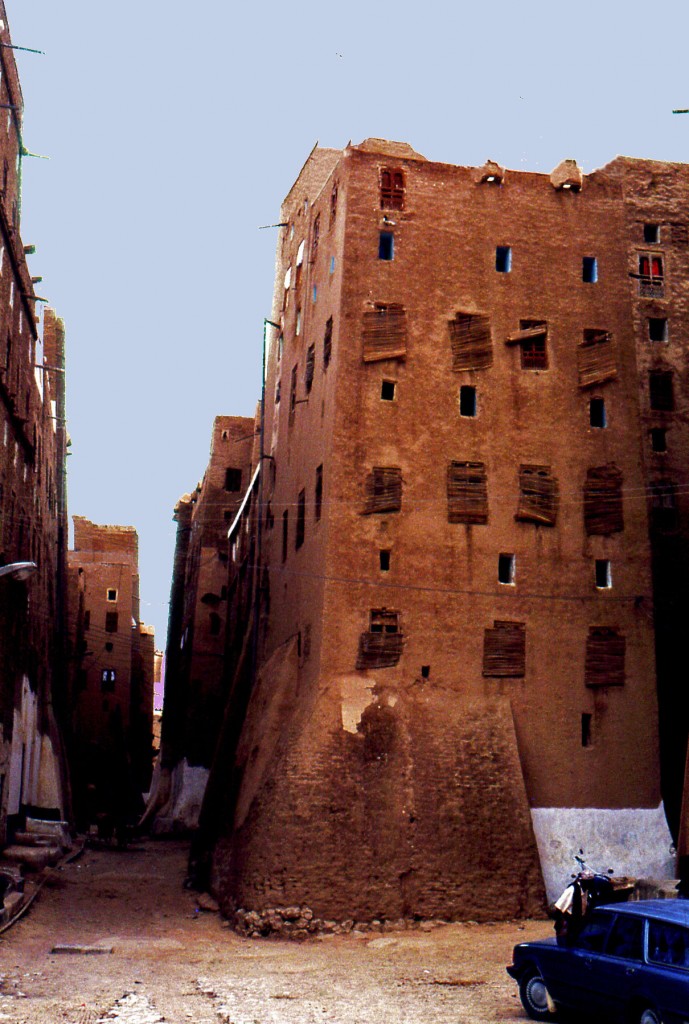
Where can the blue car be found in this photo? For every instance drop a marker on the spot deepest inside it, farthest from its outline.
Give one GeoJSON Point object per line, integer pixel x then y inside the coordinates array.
{"type": "Point", "coordinates": [629, 964]}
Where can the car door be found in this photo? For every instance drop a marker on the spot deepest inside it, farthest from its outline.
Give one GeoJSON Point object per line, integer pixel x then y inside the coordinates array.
{"type": "Point", "coordinates": [666, 984]}
{"type": "Point", "coordinates": [614, 974]}
{"type": "Point", "coordinates": [571, 978]}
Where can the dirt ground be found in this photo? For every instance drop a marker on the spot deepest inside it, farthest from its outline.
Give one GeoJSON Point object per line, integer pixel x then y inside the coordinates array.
{"type": "Point", "coordinates": [171, 962]}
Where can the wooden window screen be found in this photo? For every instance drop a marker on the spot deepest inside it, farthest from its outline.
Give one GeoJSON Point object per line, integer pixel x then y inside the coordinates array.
{"type": "Point", "coordinates": [471, 341]}
{"type": "Point", "coordinates": [651, 276]}
{"type": "Point", "coordinates": [504, 650]}
{"type": "Point", "coordinates": [333, 205]}
{"type": "Point", "coordinates": [534, 345]}
{"type": "Point", "coordinates": [391, 190]}
{"type": "Point", "coordinates": [328, 341]}
{"type": "Point", "coordinates": [383, 490]}
{"type": "Point", "coordinates": [538, 496]}
{"type": "Point", "coordinates": [467, 493]}
{"type": "Point", "coordinates": [605, 652]}
{"type": "Point", "coordinates": [662, 396]}
{"type": "Point", "coordinates": [315, 236]}
{"type": "Point", "coordinates": [310, 366]}
{"type": "Point", "coordinates": [603, 501]}
{"type": "Point", "coordinates": [111, 619]}
{"type": "Point", "coordinates": [381, 645]}
{"type": "Point", "coordinates": [596, 358]}
{"type": "Point", "coordinates": [385, 332]}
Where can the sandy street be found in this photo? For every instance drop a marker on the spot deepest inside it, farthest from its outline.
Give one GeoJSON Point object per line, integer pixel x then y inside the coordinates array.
{"type": "Point", "coordinates": [171, 962]}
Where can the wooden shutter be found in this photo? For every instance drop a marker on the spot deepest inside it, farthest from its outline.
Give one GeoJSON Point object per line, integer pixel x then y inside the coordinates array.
{"type": "Point", "coordinates": [310, 366]}
{"type": "Point", "coordinates": [538, 496]}
{"type": "Point", "coordinates": [603, 501]}
{"type": "Point", "coordinates": [467, 493]}
{"type": "Point", "coordinates": [471, 341]}
{"type": "Point", "coordinates": [384, 490]}
{"type": "Point", "coordinates": [385, 333]}
{"type": "Point", "coordinates": [605, 652]}
{"type": "Point", "coordinates": [596, 358]}
{"type": "Point", "coordinates": [504, 650]}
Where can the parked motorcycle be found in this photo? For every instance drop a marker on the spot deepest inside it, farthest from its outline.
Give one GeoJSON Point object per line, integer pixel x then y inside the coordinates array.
{"type": "Point", "coordinates": [587, 890]}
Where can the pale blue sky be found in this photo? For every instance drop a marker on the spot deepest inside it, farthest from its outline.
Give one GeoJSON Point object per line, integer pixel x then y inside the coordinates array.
{"type": "Point", "coordinates": [174, 130]}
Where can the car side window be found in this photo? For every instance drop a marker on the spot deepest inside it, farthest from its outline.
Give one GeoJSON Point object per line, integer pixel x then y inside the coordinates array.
{"type": "Point", "coordinates": [668, 944]}
{"type": "Point", "coordinates": [626, 938]}
{"type": "Point", "coordinates": [594, 933]}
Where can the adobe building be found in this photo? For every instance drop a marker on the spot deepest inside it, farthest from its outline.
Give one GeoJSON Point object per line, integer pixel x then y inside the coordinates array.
{"type": "Point", "coordinates": [445, 668]}
{"type": "Point", "coordinates": [111, 684]}
{"type": "Point", "coordinates": [33, 776]}
{"type": "Point", "coordinates": [195, 690]}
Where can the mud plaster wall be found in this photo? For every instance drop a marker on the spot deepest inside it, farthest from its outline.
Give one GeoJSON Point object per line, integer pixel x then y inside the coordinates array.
{"type": "Point", "coordinates": [421, 812]}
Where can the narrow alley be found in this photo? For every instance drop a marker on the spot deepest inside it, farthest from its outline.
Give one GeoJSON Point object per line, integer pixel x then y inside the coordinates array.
{"type": "Point", "coordinates": [142, 953]}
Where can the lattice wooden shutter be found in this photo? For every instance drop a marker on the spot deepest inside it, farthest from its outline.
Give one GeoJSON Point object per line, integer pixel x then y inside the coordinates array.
{"type": "Point", "coordinates": [328, 341]}
{"type": "Point", "coordinates": [603, 500]}
{"type": "Point", "coordinates": [384, 490]}
{"type": "Point", "coordinates": [605, 651]}
{"type": "Point", "coordinates": [379, 650]}
{"type": "Point", "coordinates": [467, 493]}
{"type": "Point", "coordinates": [385, 333]}
{"type": "Point", "coordinates": [504, 650]}
{"type": "Point", "coordinates": [538, 496]}
{"type": "Point", "coordinates": [597, 358]}
{"type": "Point", "coordinates": [310, 366]}
{"type": "Point", "coordinates": [471, 341]}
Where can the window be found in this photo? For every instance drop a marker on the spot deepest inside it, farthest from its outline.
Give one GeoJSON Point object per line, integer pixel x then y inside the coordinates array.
{"type": "Point", "coordinates": [383, 490]}
{"type": "Point", "coordinates": [471, 341]}
{"type": "Point", "coordinates": [381, 645]}
{"type": "Point", "coordinates": [594, 933]}
{"type": "Point", "coordinates": [297, 329]}
{"type": "Point", "coordinates": [87, 619]}
{"type": "Point", "coordinates": [603, 501]}
{"type": "Point", "coordinates": [603, 574]}
{"type": "Point", "coordinates": [504, 650]}
{"type": "Point", "coordinates": [109, 647]}
{"type": "Point", "coordinates": [506, 565]}
{"type": "Point", "coordinates": [111, 594]}
{"type": "Point", "coordinates": [597, 414]}
{"type": "Point", "coordinates": [538, 496]}
{"type": "Point", "coordinates": [605, 654]}
{"type": "Point", "coordinates": [278, 388]}
{"type": "Point", "coordinates": [391, 189]}
{"type": "Point", "coordinates": [664, 511]}
{"type": "Point", "coordinates": [668, 943]}
{"type": "Point", "coordinates": [658, 439]}
{"type": "Point", "coordinates": [589, 270]}
{"type": "Point", "coordinates": [384, 332]}
{"type": "Point", "coordinates": [651, 276]}
{"type": "Point", "coordinates": [310, 366]}
{"type": "Point", "coordinates": [214, 622]}
{"type": "Point", "coordinates": [586, 729]}
{"type": "Point", "coordinates": [384, 560]}
{"type": "Point", "coordinates": [233, 479]}
{"type": "Point", "coordinates": [111, 622]}
{"type": "Point", "coordinates": [661, 390]}
{"type": "Point", "coordinates": [293, 393]}
{"type": "Point", "coordinates": [386, 245]}
{"type": "Point", "coordinates": [596, 358]}
{"type": "Point", "coordinates": [425, 671]}
{"type": "Point", "coordinates": [332, 264]}
{"type": "Point", "coordinates": [301, 519]}
{"type": "Point", "coordinates": [503, 259]}
{"type": "Point", "coordinates": [467, 493]}
{"type": "Point", "coordinates": [107, 680]}
{"type": "Point", "coordinates": [327, 342]}
{"type": "Point", "coordinates": [333, 205]}
{"type": "Point", "coordinates": [657, 328]}
{"type": "Point", "coordinates": [651, 234]}
{"type": "Point", "coordinates": [314, 293]}
{"type": "Point", "coordinates": [387, 390]}
{"type": "Point", "coordinates": [534, 350]}
{"type": "Point", "coordinates": [285, 534]}
{"type": "Point", "coordinates": [315, 237]}
{"type": "Point", "coordinates": [318, 497]}
{"type": "Point", "coordinates": [467, 400]}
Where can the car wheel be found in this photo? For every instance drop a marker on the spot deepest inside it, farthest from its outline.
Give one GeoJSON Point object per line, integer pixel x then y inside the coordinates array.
{"type": "Point", "coordinates": [649, 1016]}
{"type": "Point", "coordinates": [535, 1000]}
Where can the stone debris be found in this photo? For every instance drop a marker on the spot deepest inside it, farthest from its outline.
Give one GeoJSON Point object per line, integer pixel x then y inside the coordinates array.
{"type": "Point", "coordinates": [299, 923]}
{"type": "Point", "coordinates": [132, 1009]}
{"type": "Point", "coordinates": [85, 950]}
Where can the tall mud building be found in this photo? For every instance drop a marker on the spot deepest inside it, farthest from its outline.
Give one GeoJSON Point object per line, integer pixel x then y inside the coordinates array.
{"type": "Point", "coordinates": [472, 477]}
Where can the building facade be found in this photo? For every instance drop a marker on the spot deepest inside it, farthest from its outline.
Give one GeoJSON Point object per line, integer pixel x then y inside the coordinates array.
{"type": "Point", "coordinates": [457, 538]}
{"type": "Point", "coordinates": [111, 680]}
{"type": "Point", "coordinates": [33, 775]}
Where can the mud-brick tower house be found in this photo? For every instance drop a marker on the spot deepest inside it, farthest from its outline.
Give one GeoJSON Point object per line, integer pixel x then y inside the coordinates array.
{"type": "Point", "coordinates": [454, 685]}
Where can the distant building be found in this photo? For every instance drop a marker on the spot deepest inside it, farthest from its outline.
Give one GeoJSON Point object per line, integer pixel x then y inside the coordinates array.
{"type": "Point", "coordinates": [443, 581]}
{"type": "Point", "coordinates": [112, 658]}
{"type": "Point", "coordinates": [33, 776]}
{"type": "Point", "coordinates": [195, 685]}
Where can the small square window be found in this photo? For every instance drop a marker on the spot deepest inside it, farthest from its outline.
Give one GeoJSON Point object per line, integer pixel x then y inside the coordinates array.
{"type": "Point", "coordinates": [112, 594]}
{"type": "Point", "coordinates": [314, 294]}
{"type": "Point", "coordinates": [384, 557]}
{"type": "Point", "coordinates": [651, 234]}
{"type": "Point", "coordinates": [506, 565]}
{"type": "Point", "coordinates": [597, 414]}
{"type": "Point", "coordinates": [657, 328]}
{"type": "Point", "coordinates": [589, 270]}
{"type": "Point", "coordinates": [603, 574]}
{"type": "Point", "coordinates": [425, 671]}
{"type": "Point", "coordinates": [386, 245]}
{"type": "Point", "coordinates": [658, 439]}
{"type": "Point", "coordinates": [503, 259]}
{"type": "Point", "coordinates": [332, 264]}
{"type": "Point", "coordinates": [661, 389]}
{"type": "Point", "coordinates": [387, 390]}
{"type": "Point", "coordinates": [111, 622]}
{"type": "Point", "coordinates": [467, 400]}
{"type": "Point", "coordinates": [233, 479]}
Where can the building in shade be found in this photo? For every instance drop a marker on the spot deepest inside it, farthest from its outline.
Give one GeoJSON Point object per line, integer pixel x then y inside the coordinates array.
{"type": "Point", "coordinates": [467, 541]}
{"type": "Point", "coordinates": [111, 684]}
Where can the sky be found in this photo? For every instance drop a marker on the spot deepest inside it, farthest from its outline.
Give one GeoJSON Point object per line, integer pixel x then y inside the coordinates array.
{"type": "Point", "coordinates": [174, 131]}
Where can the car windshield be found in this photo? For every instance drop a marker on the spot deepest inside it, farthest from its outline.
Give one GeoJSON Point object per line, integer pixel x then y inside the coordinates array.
{"type": "Point", "coordinates": [668, 944]}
